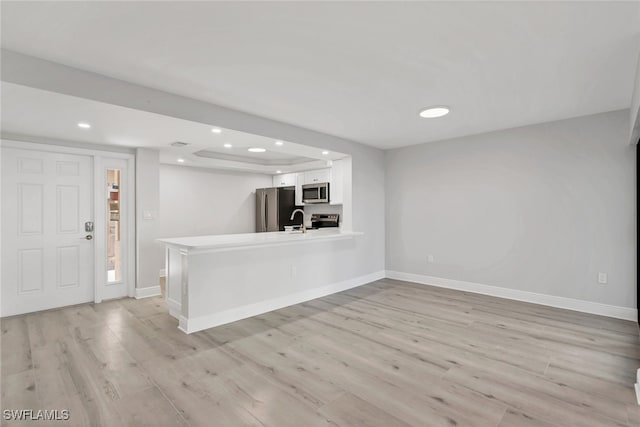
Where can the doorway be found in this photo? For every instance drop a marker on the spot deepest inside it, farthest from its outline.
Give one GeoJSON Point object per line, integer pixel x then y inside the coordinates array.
{"type": "Point", "coordinates": [67, 226]}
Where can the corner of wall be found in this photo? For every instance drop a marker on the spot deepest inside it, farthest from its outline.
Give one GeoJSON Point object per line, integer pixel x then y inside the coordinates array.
{"type": "Point", "coordinates": [635, 107]}
{"type": "Point", "coordinates": [148, 252]}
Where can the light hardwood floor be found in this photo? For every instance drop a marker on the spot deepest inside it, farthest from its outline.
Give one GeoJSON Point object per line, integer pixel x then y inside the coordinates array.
{"type": "Point", "coordinates": [387, 354]}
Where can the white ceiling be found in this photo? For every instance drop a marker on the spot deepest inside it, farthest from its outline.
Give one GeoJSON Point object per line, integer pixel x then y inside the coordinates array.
{"type": "Point", "coordinates": [359, 70]}
{"type": "Point", "coordinates": [34, 112]}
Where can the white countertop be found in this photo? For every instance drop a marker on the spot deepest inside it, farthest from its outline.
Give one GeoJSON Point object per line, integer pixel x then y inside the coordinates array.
{"type": "Point", "coordinates": [247, 240]}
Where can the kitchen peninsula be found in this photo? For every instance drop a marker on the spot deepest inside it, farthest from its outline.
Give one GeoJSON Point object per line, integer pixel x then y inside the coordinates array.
{"type": "Point", "coordinates": [214, 280]}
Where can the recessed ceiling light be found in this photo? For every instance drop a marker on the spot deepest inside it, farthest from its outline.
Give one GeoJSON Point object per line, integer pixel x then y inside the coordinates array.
{"type": "Point", "coordinates": [278, 171]}
{"type": "Point", "coordinates": [434, 112]}
{"type": "Point", "coordinates": [257, 150]}
{"type": "Point", "coordinates": [279, 143]}
{"type": "Point", "coordinates": [84, 125]}
{"type": "Point", "coordinates": [179, 144]}
{"type": "Point", "coordinates": [227, 145]}
{"type": "Point", "coordinates": [216, 130]}
{"type": "Point", "coordinates": [324, 153]}
{"type": "Point", "coordinates": [180, 160]}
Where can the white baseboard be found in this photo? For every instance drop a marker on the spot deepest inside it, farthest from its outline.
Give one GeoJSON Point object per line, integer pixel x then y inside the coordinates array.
{"type": "Point", "coordinates": [151, 291]}
{"type": "Point", "coordinates": [637, 386]}
{"type": "Point", "coordinates": [163, 273]}
{"type": "Point", "coordinates": [617, 312]}
{"type": "Point", "coordinates": [211, 320]}
{"type": "Point", "coordinates": [174, 308]}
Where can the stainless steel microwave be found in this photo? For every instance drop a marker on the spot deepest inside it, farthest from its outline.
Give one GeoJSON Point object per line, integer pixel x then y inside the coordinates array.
{"type": "Point", "coordinates": [315, 193]}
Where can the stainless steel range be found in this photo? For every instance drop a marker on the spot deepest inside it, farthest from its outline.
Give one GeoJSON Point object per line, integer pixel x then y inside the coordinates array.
{"type": "Point", "coordinates": [325, 220]}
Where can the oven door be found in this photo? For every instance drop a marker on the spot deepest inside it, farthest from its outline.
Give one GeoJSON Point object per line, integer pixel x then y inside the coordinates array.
{"type": "Point", "coordinates": [315, 193]}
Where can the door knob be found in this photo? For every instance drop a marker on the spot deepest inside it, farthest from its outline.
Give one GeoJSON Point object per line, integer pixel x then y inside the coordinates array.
{"type": "Point", "coordinates": [87, 237]}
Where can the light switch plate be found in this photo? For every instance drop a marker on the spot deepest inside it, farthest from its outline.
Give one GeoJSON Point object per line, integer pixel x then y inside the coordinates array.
{"type": "Point", "coordinates": [148, 214]}
{"type": "Point", "coordinates": [602, 278]}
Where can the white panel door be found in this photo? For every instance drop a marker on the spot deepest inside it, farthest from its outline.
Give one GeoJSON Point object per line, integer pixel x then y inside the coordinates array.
{"type": "Point", "coordinates": [47, 261]}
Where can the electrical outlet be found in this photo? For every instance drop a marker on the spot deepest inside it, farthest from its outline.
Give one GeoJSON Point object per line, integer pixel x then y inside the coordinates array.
{"type": "Point", "coordinates": [294, 271]}
{"type": "Point", "coordinates": [602, 278]}
{"type": "Point", "coordinates": [430, 258]}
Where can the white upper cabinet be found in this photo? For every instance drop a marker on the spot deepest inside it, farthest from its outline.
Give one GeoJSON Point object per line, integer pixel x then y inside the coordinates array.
{"type": "Point", "coordinates": [336, 187]}
{"type": "Point", "coordinates": [317, 176]}
{"type": "Point", "coordinates": [335, 177]}
{"type": "Point", "coordinates": [299, 182]}
{"type": "Point", "coordinates": [284, 180]}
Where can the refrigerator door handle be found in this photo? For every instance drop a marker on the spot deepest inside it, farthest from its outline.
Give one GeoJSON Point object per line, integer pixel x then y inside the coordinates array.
{"type": "Point", "coordinates": [261, 208]}
{"type": "Point", "coordinates": [264, 212]}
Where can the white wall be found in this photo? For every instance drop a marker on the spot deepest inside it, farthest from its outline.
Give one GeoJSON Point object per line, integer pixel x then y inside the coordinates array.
{"type": "Point", "coordinates": [540, 208]}
{"type": "Point", "coordinates": [196, 201]}
{"type": "Point", "coordinates": [147, 201]}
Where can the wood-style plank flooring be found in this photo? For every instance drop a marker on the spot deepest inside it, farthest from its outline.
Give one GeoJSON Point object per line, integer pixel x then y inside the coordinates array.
{"type": "Point", "coordinates": [386, 354]}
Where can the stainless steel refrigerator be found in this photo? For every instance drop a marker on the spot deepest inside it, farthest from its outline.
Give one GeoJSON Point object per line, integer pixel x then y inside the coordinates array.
{"type": "Point", "coordinates": [274, 207]}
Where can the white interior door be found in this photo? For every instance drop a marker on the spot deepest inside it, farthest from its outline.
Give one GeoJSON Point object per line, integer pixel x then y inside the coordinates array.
{"type": "Point", "coordinates": [47, 259]}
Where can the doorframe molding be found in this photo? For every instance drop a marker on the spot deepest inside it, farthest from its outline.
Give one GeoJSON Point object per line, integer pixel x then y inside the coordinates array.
{"type": "Point", "coordinates": [99, 190]}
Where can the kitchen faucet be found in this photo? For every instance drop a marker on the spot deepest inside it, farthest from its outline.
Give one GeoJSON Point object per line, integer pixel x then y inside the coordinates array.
{"type": "Point", "coordinates": [303, 227]}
